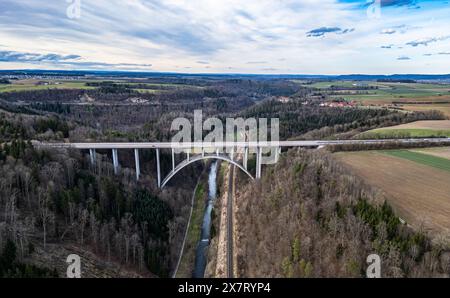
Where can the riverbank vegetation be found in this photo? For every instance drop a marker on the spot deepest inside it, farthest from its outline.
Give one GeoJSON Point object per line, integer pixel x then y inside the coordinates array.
{"type": "Point", "coordinates": [187, 264]}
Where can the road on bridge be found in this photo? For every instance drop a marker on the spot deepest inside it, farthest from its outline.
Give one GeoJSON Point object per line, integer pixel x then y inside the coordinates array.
{"type": "Point", "coordinates": [207, 145]}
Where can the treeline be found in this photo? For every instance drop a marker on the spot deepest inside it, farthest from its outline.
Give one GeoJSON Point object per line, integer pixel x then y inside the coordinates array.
{"type": "Point", "coordinates": [384, 146]}
{"type": "Point", "coordinates": [10, 267]}
{"type": "Point", "coordinates": [405, 81]}
{"type": "Point", "coordinates": [315, 219]}
{"type": "Point", "coordinates": [19, 126]}
{"type": "Point", "coordinates": [261, 88]}
{"type": "Point", "coordinates": [144, 122]}
{"type": "Point", "coordinates": [358, 87]}
{"type": "Point", "coordinates": [391, 118]}
{"type": "Point", "coordinates": [402, 134]}
{"type": "Point", "coordinates": [15, 108]}
{"type": "Point", "coordinates": [15, 148]}
{"type": "Point", "coordinates": [51, 107]}
{"type": "Point", "coordinates": [112, 91]}
{"type": "Point", "coordinates": [45, 95]}
{"type": "Point", "coordinates": [10, 130]}
{"type": "Point", "coordinates": [105, 86]}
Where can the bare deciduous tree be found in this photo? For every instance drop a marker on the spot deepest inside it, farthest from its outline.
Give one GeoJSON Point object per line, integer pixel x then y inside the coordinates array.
{"type": "Point", "coordinates": [45, 214]}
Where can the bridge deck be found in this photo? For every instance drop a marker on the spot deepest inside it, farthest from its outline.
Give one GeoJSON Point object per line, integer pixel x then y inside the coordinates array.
{"type": "Point", "coordinates": [173, 145]}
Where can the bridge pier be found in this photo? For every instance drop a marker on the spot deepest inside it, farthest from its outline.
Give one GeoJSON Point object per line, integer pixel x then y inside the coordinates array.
{"type": "Point", "coordinates": [245, 157]}
{"type": "Point", "coordinates": [158, 168]}
{"type": "Point", "coordinates": [173, 159]}
{"type": "Point", "coordinates": [138, 166]}
{"type": "Point", "coordinates": [93, 156]}
{"type": "Point", "coordinates": [277, 154]}
{"type": "Point", "coordinates": [115, 161]}
{"type": "Point", "coordinates": [258, 162]}
{"type": "Point", "coordinates": [192, 149]}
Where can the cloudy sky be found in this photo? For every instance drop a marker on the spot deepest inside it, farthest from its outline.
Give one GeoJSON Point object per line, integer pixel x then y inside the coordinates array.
{"type": "Point", "coordinates": [227, 36]}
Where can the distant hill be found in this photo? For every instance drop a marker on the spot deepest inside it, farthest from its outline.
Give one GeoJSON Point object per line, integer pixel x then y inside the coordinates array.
{"type": "Point", "coordinates": [353, 77]}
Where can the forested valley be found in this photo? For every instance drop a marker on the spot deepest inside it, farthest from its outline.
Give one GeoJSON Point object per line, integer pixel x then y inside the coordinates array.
{"type": "Point", "coordinates": [55, 201]}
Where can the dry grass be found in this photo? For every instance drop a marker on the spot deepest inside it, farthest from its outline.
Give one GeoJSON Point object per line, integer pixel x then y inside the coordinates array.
{"type": "Point", "coordinates": [418, 129]}
{"type": "Point", "coordinates": [443, 152]}
{"type": "Point", "coordinates": [420, 194]}
{"type": "Point", "coordinates": [430, 124]}
{"type": "Point", "coordinates": [444, 108]}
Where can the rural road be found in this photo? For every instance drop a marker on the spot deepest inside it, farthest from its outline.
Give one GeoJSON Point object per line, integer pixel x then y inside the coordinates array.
{"type": "Point", "coordinates": [230, 223]}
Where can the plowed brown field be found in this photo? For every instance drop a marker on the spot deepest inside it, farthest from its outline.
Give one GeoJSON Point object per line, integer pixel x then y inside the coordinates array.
{"type": "Point", "coordinates": [420, 194]}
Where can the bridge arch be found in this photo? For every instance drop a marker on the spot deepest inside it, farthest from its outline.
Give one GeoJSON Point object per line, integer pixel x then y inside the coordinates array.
{"type": "Point", "coordinates": [194, 159]}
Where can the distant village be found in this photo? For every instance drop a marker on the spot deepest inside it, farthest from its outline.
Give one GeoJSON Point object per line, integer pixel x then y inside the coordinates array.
{"type": "Point", "coordinates": [336, 103]}
{"type": "Point", "coordinates": [339, 104]}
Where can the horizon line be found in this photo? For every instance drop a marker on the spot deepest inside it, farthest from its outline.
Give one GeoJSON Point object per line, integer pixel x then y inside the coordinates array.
{"type": "Point", "coordinates": [218, 73]}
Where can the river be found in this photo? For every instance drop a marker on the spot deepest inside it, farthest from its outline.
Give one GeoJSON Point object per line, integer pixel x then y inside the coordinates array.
{"type": "Point", "coordinates": [202, 246]}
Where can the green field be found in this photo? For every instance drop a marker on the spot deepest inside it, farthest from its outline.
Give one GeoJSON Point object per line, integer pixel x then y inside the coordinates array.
{"type": "Point", "coordinates": [404, 133]}
{"type": "Point", "coordinates": [17, 87]}
{"type": "Point", "coordinates": [386, 92]}
{"type": "Point", "coordinates": [148, 90]}
{"type": "Point", "coordinates": [391, 92]}
{"type": "Point", "coordinates": [32, 85]}
{"type": "Point", "coordinates": [425, 159]}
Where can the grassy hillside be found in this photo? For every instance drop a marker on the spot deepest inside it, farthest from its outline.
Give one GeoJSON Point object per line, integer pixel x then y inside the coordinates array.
{"type": "Point", "coordinates": [405, 133]}
{"type": "Point", "coordinates": [418, 129]}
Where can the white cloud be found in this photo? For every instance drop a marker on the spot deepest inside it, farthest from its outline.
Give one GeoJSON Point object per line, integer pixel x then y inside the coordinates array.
{"type": "Point", "coordinates": [226, 35]}
{"type": "Point", "coordinates": [388, 31]}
